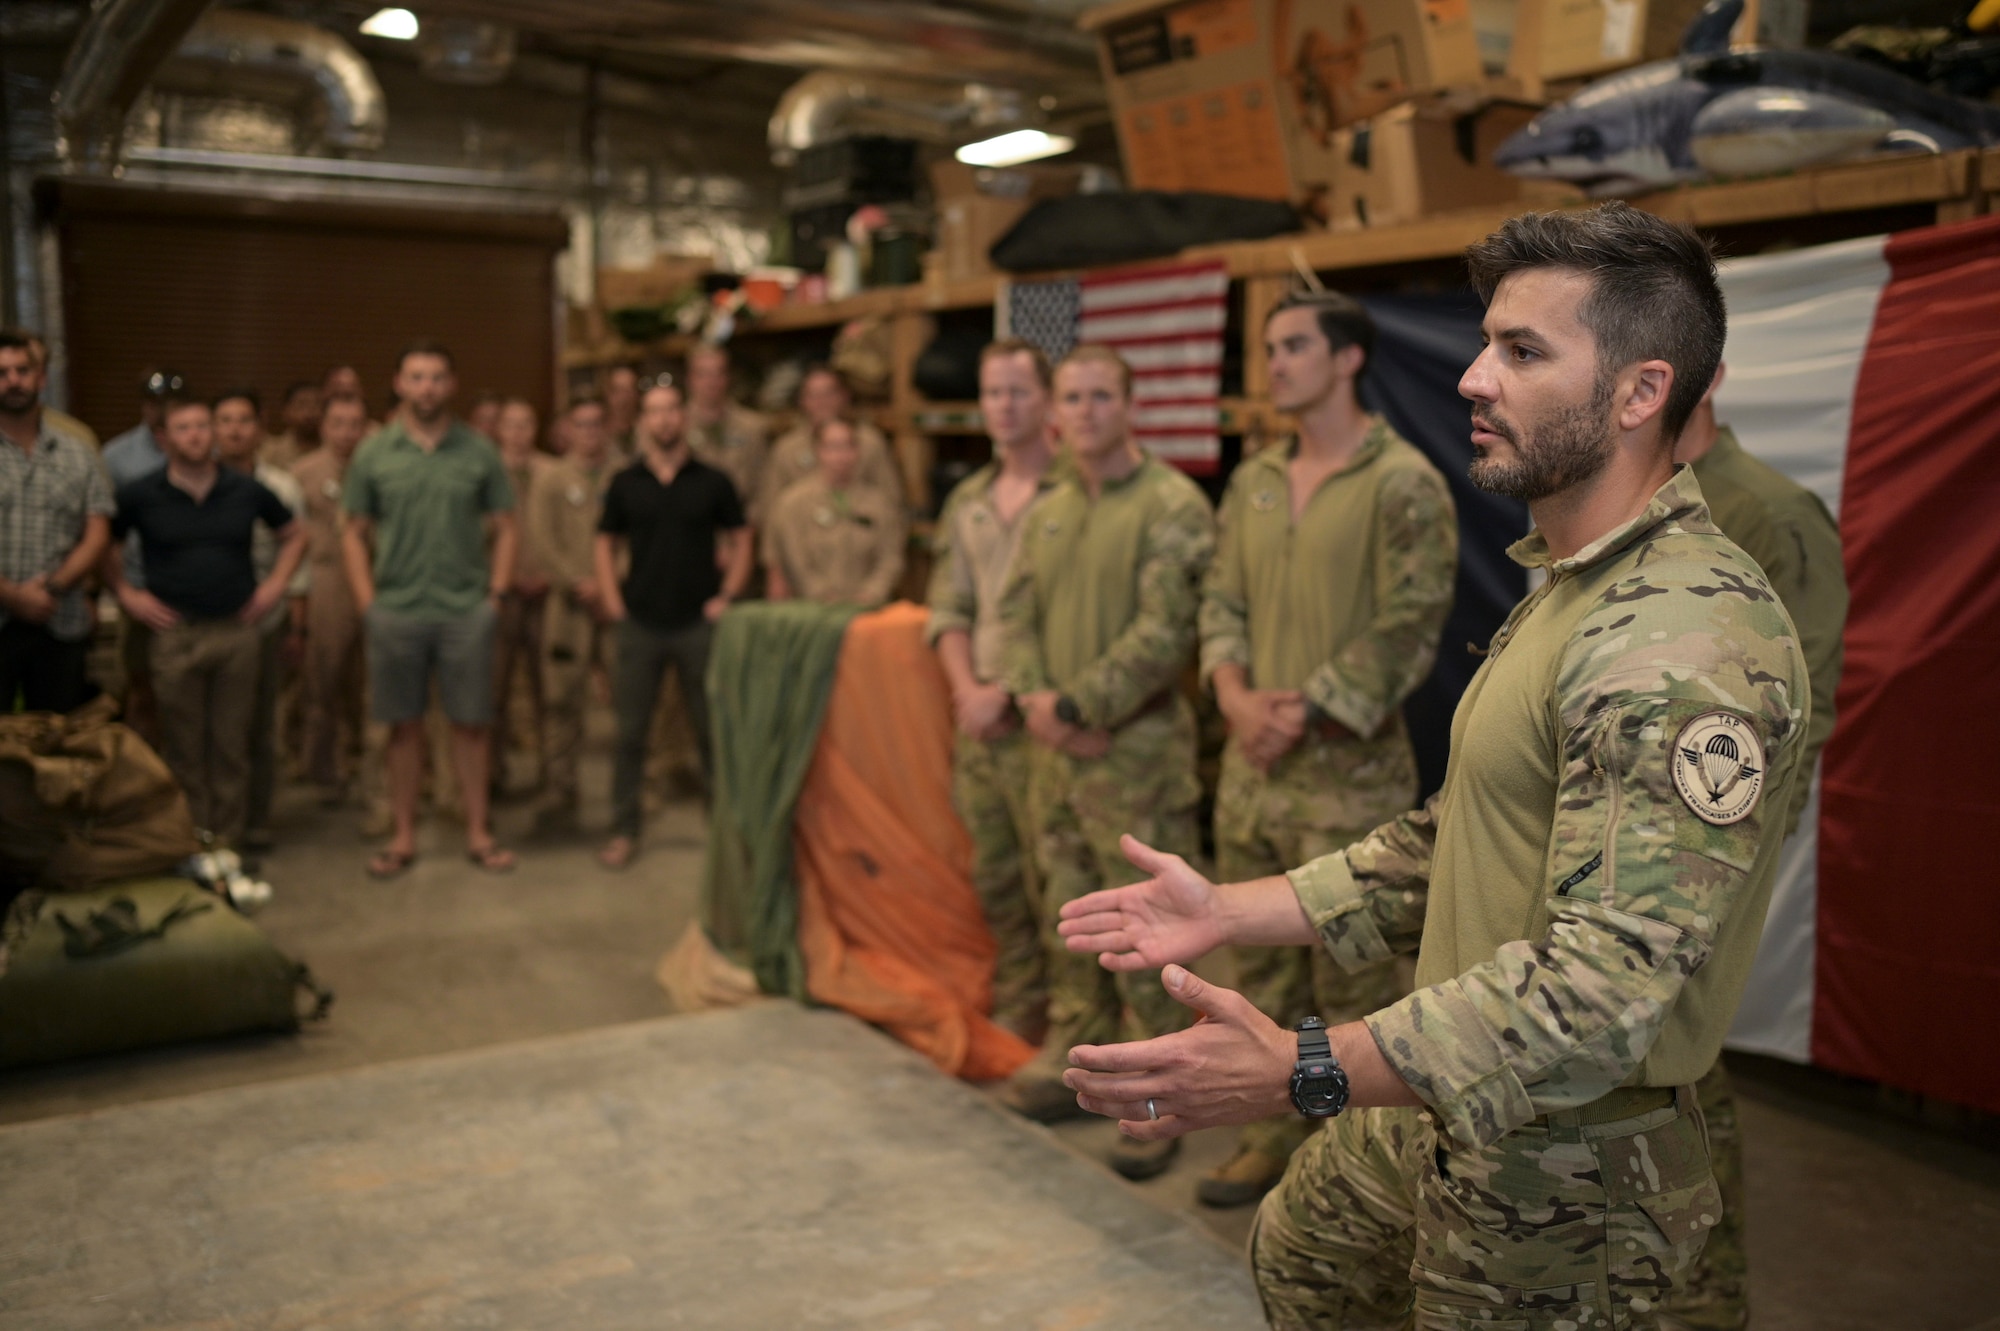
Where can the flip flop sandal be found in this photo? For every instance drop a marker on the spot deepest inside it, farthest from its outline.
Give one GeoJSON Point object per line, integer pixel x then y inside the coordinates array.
{"type": "Point", "coordinates": [389, 864]}
{"type": "Point", "coordinates": [494, 859]}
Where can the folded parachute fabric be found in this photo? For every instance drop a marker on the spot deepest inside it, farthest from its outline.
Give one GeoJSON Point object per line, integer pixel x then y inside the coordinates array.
{"type": "Point", "coordinates": [889, 925]}
{"type": "Point", "coordinates": [769, 673]}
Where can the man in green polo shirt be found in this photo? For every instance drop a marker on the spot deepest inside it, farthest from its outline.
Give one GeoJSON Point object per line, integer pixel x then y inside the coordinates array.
{"type": "Point", "coordinates": [1321, 614]}
{"type": "Point", "coordinates": [1585, 894]}
{"type": "Point", "coordinates": [1097, 617]}
{"type": "Point", "coordinates": [417, 497]}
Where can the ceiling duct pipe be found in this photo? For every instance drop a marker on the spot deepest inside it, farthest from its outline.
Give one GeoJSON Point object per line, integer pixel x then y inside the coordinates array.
{"type": "Point", "coordinates": [121, 45]}
{"type": "Point", "coordinates": [238, 53]}
{"type": "Point", "coordinates": [830, 105]}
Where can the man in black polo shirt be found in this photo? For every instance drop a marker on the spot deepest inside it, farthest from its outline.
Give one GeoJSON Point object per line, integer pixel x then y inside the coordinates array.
{"type": "Point", "coordinates": [202, 600]}
{"type": "Point", "coordinates": [690, 556]}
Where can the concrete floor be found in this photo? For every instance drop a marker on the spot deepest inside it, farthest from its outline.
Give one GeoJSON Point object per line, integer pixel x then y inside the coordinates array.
{"type": "Point", "coordinates": [1860, 1218]}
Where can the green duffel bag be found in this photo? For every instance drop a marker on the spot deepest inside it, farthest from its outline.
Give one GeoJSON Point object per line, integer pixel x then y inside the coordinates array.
{"type": "Point", "coordinates": [149, 962]}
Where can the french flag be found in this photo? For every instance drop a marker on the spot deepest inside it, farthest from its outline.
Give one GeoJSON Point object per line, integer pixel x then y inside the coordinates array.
{"type": "Point", "coordinates": [1869, 372]}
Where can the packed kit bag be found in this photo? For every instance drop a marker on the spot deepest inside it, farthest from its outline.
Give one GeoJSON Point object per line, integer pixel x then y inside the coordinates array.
{"type": "Point", "coordinates": [84, 800]}
{"type": "Point", "coordinates": [137, 964]}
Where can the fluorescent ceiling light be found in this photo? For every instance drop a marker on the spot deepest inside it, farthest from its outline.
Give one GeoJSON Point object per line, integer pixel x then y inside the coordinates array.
{"type": "Point", "coordinates": [1022, 145]}
{"type": "Point", "coordinates": [397, 24]}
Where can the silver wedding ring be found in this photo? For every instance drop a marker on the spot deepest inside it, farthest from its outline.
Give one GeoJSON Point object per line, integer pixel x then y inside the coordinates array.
{"type": "Point", "coordinates": [1152, 1110]}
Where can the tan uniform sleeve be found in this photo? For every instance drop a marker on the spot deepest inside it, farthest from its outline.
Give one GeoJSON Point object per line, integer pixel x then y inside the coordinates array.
{"type": "Point", "coordinates": [887, 569]}
{"type": "Point", "coordinates": [952, 596]}
{"type": "Point", "coordinates": [1225, 601]}
{"type": "Point", "coordinates": [1416, 567]}
{"type": "Point", "coordinates": [1807, 573]}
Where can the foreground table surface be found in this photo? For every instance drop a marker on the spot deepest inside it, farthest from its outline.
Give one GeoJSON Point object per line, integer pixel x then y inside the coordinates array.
{"type": "Point", "coordinates": [762, 1168]}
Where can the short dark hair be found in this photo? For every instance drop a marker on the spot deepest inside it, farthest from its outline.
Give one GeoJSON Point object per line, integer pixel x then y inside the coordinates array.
{"type": "Point", "coordinates": [180, 401]}
{"type": "Point", "coordinates": [1653, 295]}
{"type": "Point", "coordinates": [581, 400]}
{"type": "Point", "coordinates": [1000, 348]}
{"type": "Point", "coordinates": [1343, 320]}
{"type": "Point", "coordinates": [332, 400]}
{"type": "Point", "coordinates": [821, 367]}
{"type": "Point", "coordinates": [298, 386]}
{"type": "Point", "coordinates": [232, 394]}
{"type": "Point", "coordinates": [17, 339]}
{"type": "Point", "coordinates": [423, 346]}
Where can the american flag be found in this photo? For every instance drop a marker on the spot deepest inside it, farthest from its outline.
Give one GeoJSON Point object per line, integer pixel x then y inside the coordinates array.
{"type": "Point", "coordinates": [1167, 322]}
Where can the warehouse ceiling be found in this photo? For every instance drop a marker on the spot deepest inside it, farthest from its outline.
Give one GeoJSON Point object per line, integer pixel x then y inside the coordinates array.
{"type": "Point", "coordinates": [746, 52]}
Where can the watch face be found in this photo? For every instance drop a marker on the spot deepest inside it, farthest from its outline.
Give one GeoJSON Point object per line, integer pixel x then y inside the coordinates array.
{"type": "Point", "coordinates": [1319, 1090]}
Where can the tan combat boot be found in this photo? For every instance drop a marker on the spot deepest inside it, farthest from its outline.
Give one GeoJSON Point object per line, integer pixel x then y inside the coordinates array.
{"type": "Point", "coordinates": [1241, 1179]}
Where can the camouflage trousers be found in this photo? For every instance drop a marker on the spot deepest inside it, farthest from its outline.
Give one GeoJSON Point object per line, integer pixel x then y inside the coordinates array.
{"type": "Point", "coordinates": [1561, 1225]}
{"type": "Point", "coordinates": [1715, 1296]}
{"type": "Point", "coordinates": [1146, 786]}
{"type": "Point", "coordinates": [1315, 800]}
{"type": "Point", "coordinates": [989, 786]}
{"type": "Point", "coordinates": [573, 642]}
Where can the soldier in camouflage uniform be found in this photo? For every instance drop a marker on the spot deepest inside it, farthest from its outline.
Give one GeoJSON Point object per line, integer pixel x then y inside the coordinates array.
{"type": "Point", "coordinates": [1332, 579]}
{"type": "Point", "coordinates": [1098, 622]}
{"type": "Point", "coordinates": [563, 504]}
{"type": "Point", "coordinates": [977, 534]}
{"type": "Point", "coordinates": [1585, 894]}
{"type": "Point", "coordinates": [1787, 530]}
{"type": "Point", "coordinates": [728, 437]}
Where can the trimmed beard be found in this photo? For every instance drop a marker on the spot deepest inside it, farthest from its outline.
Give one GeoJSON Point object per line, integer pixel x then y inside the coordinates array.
{"type": "Point", "coordinates": [1568, 448]}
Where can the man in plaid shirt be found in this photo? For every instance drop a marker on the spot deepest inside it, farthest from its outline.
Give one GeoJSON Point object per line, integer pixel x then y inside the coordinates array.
{"type": "Point", "coordinates": [55, 522]}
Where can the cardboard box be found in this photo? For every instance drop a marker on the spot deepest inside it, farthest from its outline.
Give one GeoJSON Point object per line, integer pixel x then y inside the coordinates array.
{"type": "Point", "coordinates": [1569, 39]}
{"type": "Point", "coordinates": [1422, 158]}
{"type": "Point", "coordinates": [1244, 96]}
{"type": "Point", "coordinates": [978, 205]}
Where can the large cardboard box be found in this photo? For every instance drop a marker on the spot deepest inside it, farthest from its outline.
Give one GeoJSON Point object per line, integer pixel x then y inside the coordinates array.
{"type": "Point", "coordinates": [978, 205]}
{"type": "Point", "coordinates": [1571, 39]}
{"type": "Point", "coordinates": [1245, 96]}
{"type": "Point", "coordinates": [1422, 158]}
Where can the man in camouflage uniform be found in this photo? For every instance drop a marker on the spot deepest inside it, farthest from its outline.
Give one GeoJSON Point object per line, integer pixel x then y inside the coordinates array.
{"type": "Point", "coordinates": [1098, 621]}
{"type": "Point", "coordinates": [1332, 578]}
{"type": "Point", "coordinates": [1585, 894]}
{"type": "Point", "coordinates": [977, 534]}
{"type": "Point", "coordinates": [335, 668]}
{"type": "Point", "coordinates": [1787, 530]}
{"type": "Point", "coordinates": [517, 638]}
{"type": "Point", "coordinates": [728, 437]}
{"type": "Point", "coordinates": [562, 513]}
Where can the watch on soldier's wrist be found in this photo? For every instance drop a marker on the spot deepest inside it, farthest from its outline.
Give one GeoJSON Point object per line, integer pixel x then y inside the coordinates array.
{"type": "Point", "coordinates": [1067, 711]}
{"type": "Point", "coordinates": [1319, 1083]}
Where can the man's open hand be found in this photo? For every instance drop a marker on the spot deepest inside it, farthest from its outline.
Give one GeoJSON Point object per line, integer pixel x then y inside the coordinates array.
{"type": "Point", "coordinates": [1234, 1065]}
{"type": "Point", "coordinates": [1175, 915]}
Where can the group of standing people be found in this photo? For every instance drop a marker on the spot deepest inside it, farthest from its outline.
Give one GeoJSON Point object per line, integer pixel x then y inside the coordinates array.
{"type": "Point", "coordinates": [377, 592]}
{"type": "Point", "coordinates": [1541, 1130]}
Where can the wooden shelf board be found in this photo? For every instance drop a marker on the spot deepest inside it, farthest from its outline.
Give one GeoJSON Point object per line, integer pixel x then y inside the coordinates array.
{"type": "Point", "coordinates": [1846, 187]}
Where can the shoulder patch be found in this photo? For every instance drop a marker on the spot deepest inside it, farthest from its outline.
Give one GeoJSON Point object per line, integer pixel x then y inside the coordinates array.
{"type": "Point", "coordinates": [1719, 767]}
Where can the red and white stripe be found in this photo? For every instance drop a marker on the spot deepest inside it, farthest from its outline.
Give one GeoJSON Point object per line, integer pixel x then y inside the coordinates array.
{"type": "Point", "coordinates": [1167, 323]}
{"type": "Point", "coordinates": [1869, 371]}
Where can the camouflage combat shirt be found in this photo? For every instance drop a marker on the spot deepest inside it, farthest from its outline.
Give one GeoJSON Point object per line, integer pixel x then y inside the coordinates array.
{"type": "Point", "coordinates": [1787, 530]}
{"type": "Point", "coordinates": [1102, 597]}
{"type": "Point", "coordinates": [971, 551]}
{"type": "Point", "coordinates": [1590, 884]}
{"type": "Point", "coordinates": [1347, 603]}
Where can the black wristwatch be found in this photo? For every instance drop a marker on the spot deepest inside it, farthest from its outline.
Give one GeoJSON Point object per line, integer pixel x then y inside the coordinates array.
{"type": "Point", "coordinates": [1319, 1083]}
{"type": "Point", "coordinates": [1067, 711]}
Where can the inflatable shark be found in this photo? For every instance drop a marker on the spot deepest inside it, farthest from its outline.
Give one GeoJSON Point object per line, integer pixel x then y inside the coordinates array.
{"type": "Point", "coordinates": [1717, 112]}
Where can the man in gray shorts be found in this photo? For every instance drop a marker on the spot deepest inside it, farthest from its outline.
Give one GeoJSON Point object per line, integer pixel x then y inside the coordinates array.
{"type": "Point", "coordinates": [419, 492]}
